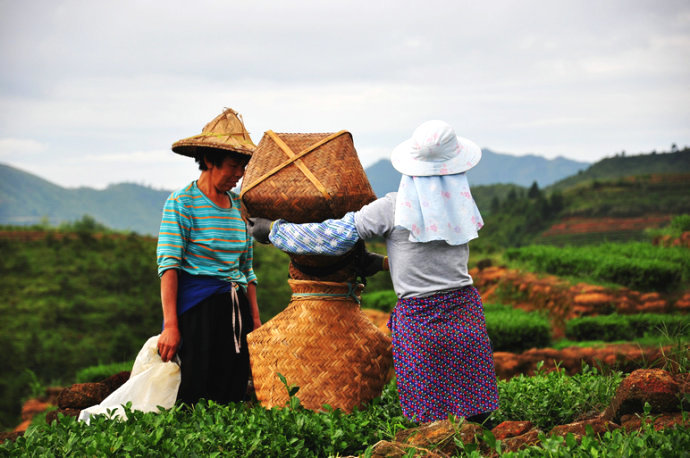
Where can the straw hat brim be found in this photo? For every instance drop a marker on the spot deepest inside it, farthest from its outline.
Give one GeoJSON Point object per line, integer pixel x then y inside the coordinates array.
{"type": "Point", "coordinates": [404, 162]}
{"type": "Point", "coordinates": [224, 132]}
{"type": "Point", "coordinates": [191, 146]}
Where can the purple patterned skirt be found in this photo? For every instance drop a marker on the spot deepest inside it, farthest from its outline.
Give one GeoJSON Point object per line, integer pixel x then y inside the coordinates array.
{"type": "Point", "coordinates": [442, 356]}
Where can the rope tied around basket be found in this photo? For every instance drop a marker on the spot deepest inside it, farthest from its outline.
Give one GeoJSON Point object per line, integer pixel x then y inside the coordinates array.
{"type": "Point", "coordinates": [351, 293]}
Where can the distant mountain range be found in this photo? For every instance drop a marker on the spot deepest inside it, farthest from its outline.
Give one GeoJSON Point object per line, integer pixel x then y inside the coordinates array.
{"type": "Point", "coordinates": [26, 199]}
{"type": "Point", "coordinates": [494, 168]}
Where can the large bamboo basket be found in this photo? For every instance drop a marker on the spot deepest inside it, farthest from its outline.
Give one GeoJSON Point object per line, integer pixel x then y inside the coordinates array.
{"type": "Point", "coordinates": [324, 344]}
{"type": "Point", "coordinates": [305, 177]}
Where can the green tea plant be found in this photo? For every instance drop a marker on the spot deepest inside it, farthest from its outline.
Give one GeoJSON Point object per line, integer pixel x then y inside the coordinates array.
{"type": "Point", "coordinates": [616, 327]}
{"type": "Point", "coordinates": [635, 265]}
{"type": "Point", "coordinates": [210, 429]}
{"type": "Point", "coordinates": [246, 429]}
{"type": "Point", "coordinates": [554, 398]}
{"type": "Point", "coordinates": [516, 330]}
{"type": "Point", "coordinates": [380, 300]}
{"type": "Point", "coordinates": [102, 371]}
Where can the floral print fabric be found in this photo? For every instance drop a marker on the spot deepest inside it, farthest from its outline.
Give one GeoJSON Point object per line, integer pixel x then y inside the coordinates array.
{"type": "Point", "coordinates": [442, 356]}
{"type": "Point", "coordinates": [437, 208]}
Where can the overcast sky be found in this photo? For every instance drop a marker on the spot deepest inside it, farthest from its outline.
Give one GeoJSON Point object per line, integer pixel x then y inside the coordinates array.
{"type": "Point", "coordinates": [95, 92]}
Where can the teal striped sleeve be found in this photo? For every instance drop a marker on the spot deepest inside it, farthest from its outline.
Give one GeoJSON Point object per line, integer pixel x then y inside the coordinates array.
{"type": "Point", "coordinates": [332, 237]}
{"type": "Point", "coordinates": [247, 262]}
{"type": "Point", "coordinates": [173, 234]}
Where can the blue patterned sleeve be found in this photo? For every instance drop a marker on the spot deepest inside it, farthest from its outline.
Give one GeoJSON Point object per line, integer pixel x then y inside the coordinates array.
{"type": "Point", "coordinates": [332, 237]}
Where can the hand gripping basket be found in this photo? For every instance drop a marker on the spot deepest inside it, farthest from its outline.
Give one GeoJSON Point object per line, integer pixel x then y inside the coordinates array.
{"type": "Point", "coordinates": [324, 344]}
{"type": "Point", "coordinates": [305, 178]}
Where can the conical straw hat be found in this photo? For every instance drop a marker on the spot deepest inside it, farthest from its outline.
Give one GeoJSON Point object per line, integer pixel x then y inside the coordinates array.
{"type": "Point", "coordinates": [226, 132]}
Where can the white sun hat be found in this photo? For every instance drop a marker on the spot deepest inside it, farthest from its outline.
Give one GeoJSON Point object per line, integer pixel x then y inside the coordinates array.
{"type": "Point", "coordinates": [434, 149]}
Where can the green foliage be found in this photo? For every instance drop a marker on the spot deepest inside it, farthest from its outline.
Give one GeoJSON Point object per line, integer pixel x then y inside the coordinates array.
{"type": "Point", "coordinates": [670, 442]}
{"type": "Point", "coordinates": [613, 197]}
{"type": "Point", "coordinates": [71, 300]}
{"type": "Point", "coordinates": [380, 300]}
{"type": "Point", "coordinates": [626, 327]}
{"type": "Point", "coordinates": [554, 398]}
{"type": "Point", "coordinates": [516, 330]}
{"type": "Point", "coordinates": [518, 219]}
{"type": "Point", "coordinates": [681, 223]}
{"type": "Point", "coordinates": [624, 166]}
{"type": "Point", "coordinates": [489, 197]}
{"type": "Point", "coordinates": [101, 371]}
{"type": "Point", "coordinates": [271, 269]}
{"type": "Point", "coordinates": [79, 297]}
{"type": "Point", "coordinates": [210, 429]}
{"type": "Point", "coordinates": [636, 265]}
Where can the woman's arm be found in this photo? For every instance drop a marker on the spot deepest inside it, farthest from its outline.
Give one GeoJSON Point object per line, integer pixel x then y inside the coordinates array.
{"type": "Point", "coordinates": [332, 237]}
{"type": "Point", "coordinates": [169, 340]}
{"type": "Point", "coordinates": [253, 304]}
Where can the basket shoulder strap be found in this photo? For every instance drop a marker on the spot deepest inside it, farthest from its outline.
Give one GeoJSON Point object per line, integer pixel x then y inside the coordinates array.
{"type": "Point", "coordinates": [294, 158]}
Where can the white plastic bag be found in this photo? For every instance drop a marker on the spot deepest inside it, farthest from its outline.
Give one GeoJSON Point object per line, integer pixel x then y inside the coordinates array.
{"type": "Point", "coordinates": [152, 383]}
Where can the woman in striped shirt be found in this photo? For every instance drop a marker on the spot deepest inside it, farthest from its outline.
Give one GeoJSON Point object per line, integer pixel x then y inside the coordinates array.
{"type": "Point", "coordinates": [208, 285]}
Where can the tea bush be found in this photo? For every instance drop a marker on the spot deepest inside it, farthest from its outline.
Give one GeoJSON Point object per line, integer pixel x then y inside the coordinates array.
{"type": "Point", "coordinates": [681, 223]}
{"type": "Point", "coordinates": [554, 398]}
{"type": "Point", "coordinates": [635, 265]}
{"type": "Point", "coordinates": [649, 443]}
{"type": "Point", "coordinates": [209, 429]}
{"type": "Point", "coordinates": [516, 330]}
{"type": "Point", "coordinates": [626, 327]}
{"type": "Point", "coordinates": [380, 300]}
{"type": "Point", "coordinates": [102, 371]}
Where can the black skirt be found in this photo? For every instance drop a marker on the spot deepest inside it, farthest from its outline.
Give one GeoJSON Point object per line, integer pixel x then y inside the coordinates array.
{"type": "Point", "coordinates": [212, 368]}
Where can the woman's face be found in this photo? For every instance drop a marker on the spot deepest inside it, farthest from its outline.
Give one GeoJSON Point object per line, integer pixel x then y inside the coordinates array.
{"type": "Point", "coordinates": [226, 176]}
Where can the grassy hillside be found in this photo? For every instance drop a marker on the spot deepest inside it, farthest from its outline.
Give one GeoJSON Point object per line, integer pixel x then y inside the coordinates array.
{"type": "Point", "coordinates": [26, 199]}
{"type": "Point", "coordinates": [625, 166]}
{"type": "Point", "coordinates": [590, 212]}
{"type": "Point", "coordinates": [78, 296]}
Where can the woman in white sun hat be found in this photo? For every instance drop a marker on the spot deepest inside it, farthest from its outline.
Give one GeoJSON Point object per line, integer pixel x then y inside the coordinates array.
{"type": "Point", "coordinates": [442, 354]}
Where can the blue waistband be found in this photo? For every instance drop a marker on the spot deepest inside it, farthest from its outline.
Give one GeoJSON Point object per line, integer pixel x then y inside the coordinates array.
{"type": "Point", "coordinates": [192, 289]}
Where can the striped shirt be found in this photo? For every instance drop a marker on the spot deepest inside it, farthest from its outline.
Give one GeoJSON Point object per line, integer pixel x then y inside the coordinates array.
{"type": "Point", "coordinates": [201, 238]}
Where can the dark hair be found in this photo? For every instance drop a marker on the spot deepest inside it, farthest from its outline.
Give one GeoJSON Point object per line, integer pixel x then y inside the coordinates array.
{"type": "Point", "coordinates": [216, 156]}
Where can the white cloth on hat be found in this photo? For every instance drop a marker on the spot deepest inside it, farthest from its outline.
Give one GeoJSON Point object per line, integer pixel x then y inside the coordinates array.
{"type": "Point", "coordinates": [437, 208]}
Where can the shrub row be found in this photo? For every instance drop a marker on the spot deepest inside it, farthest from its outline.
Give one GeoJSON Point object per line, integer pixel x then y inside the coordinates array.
{"type": "Point", "coordinates": [516, 330]}
{"type": "Point", "coordinates": [635, 265]}
{"type": "Point", "coordinates": [209, 429]}
{"type": "Point", "coordinates": [102, 371]}
{"type": "Point", "coordinates": [626, 327]}
{"type": "Point", "coordinates": [380, 300]}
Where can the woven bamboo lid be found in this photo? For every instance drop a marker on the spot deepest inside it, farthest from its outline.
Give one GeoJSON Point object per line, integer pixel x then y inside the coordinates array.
{"type": "Point", "coordinates": [226, 131]}
{"type": "Point", "coordinates": [305, 177]}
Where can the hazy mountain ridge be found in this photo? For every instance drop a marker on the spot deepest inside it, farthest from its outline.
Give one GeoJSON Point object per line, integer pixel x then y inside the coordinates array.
{"type": "Point", "coordinates": [494, 168]}
{"type": "Point", "coordinates": [27, 199]}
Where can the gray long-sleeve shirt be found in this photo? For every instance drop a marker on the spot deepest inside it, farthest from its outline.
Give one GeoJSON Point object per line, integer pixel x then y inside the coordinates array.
{"type": "Point", "coordinates": [417, 269]}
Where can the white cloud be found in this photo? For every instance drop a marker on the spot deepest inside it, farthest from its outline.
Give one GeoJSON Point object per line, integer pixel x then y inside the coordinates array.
{"type": "Point", "coordinates": [10, 147]}
{"type": "Point", "coordinates": [99, 86]}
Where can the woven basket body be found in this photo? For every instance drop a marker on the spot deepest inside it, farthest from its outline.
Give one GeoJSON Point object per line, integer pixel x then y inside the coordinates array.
{"type": "Point", "coordinates": [323, 344]}
{"type": "Point", "coordinates": [305, 177]}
